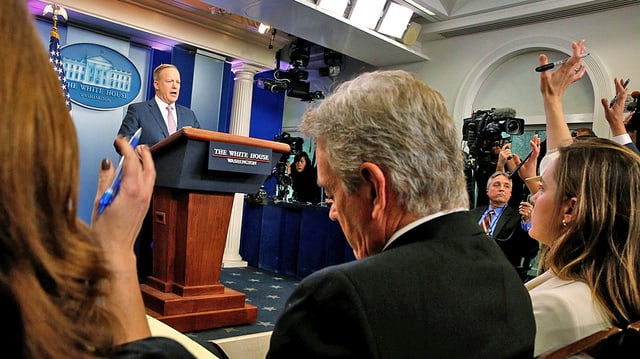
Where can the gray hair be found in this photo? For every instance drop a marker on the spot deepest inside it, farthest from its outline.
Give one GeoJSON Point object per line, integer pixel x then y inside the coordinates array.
{"type": "Point", "coordinates": [402, 125]}
{"type": "Point", "coordinates": [159, 68]}
{"type": "Point", "coordinates": [496, 174]}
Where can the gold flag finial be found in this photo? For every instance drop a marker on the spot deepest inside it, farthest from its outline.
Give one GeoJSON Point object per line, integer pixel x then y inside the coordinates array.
{"type": "Point", "coordinates": [56, 10]}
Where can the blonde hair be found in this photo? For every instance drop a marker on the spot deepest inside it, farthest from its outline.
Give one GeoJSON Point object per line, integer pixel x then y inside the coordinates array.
{"type": "Point", "coordinates": [601, 246]}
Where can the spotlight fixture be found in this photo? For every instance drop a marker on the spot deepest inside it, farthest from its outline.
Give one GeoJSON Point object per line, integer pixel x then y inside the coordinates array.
{"type": "Point", "coordinates": [270, 85]}
{"type": "Point", "coordinates": [299, 53]}
{"type": "Point", "coordinates": [333, 60]}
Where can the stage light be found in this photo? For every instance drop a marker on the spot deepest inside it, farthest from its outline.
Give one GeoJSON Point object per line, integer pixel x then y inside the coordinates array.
{"type": "Point", "coordinates": [299, 53]}
{"type": "Point", "coordinates": [395, 20]}
{"type": "Point", "coordinates": [367, 12]}
{"type": "Point", "coordinates": [335, 6]}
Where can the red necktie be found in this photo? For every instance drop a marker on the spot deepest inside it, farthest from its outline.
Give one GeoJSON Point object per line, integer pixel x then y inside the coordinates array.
{"type": "Point", "coordinates": [486, 222]}
{"type": "Point", "coordinates": [171, 120]}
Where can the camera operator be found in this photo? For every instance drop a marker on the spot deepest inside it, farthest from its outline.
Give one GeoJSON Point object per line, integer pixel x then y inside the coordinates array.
{"type": "Point", "coordinates": [508, 161]}
{"type": "Point", "coordinates": [501, 160]}
{"type": "Point", "coordinates": [304, 178]}
{"type": "Point", "coordinates": [488, 138]}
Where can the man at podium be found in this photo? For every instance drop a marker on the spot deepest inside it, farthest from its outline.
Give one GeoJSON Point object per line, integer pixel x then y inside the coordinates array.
{"type": "Point", "coordinates": [159, 117]}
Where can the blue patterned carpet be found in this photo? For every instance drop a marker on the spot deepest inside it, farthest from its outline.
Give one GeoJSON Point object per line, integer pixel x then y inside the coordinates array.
{"type": "Point", "coordinates": [267, 291]}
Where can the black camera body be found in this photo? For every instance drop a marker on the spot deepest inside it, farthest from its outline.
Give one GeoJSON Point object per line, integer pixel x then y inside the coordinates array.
{"type": "Point", "coordinates": [634, 123]}
{"type": "Point", "coordinates": [484, 129]}
{"type": "Point", "coordinates": [283, 178]}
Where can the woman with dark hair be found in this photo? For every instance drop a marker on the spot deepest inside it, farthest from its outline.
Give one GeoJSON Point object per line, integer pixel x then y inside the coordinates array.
{"type": "Point", "coordinates": [303, 174]}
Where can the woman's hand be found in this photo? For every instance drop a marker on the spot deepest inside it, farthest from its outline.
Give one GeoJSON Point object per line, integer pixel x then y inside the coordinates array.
{"type": "Point", "coordinates": [117, 227]}
{"type": "Point", "coordinates": [615, 114]}
{"type": "Point", "coordinates": [116, 230]}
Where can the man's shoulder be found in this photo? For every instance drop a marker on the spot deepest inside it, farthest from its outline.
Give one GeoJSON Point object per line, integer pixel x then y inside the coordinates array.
{"type": "Point", "coordinates": [142, 104]}
{"type": "Point", "coordinates": [510, 210]}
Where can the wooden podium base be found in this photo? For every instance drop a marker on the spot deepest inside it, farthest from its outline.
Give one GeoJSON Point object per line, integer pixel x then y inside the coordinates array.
{"type": "Point", "coordinates": [199, 312]}
{"type": "Point", "coordinates": [189, 236]}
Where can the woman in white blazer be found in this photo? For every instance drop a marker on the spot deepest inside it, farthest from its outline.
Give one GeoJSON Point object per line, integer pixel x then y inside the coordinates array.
{"type": "Point", "coordinates": [586, 217]}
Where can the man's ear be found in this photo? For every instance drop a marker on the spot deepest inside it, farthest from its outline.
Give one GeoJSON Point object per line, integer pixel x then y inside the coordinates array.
{"type": "Point", "coordinates": [569, 210]}
{"type": "Point", "coordinates": [375, 187]}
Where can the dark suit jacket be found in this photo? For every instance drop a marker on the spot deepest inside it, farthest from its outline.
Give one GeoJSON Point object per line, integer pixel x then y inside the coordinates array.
{"type": "Point", "coordinates": [441, 290]}
{"type": "Point", "coordinates": [512, 239]}
{"type": "Point", "coordinates": [632, 147]}
{"type": "Point", "coordinates": [148, 116]}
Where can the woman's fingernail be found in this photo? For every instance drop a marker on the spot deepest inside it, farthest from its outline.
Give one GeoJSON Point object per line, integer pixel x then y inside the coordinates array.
{"type": "Point", "coordinates": [105, 164]}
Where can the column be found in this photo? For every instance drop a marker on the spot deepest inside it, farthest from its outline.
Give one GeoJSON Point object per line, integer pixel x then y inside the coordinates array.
{"type": "Point", "coordinates": [240, 121]}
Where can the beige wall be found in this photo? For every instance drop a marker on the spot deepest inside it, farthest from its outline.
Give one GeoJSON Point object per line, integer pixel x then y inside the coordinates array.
{"type": "Point", "coordinates": [611, 37]}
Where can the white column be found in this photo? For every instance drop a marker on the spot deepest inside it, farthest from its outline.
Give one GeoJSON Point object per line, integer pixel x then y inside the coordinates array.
{"type": "Point", "coordinates": [240, 121]}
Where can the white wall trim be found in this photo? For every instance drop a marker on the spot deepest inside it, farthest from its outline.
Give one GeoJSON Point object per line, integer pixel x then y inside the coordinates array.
{"type": "Point", "coordinates": [596, 71]}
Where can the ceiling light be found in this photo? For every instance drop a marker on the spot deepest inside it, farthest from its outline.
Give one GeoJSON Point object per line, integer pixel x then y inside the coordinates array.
{"type": "Point", "coordinates": [395, 20]}
{"type": "Point", "coordinates": [262, 28]}
{"type": "Point", "coordinates": [335, 6]}
{"type": "Point", "coordinates": [367, 12]}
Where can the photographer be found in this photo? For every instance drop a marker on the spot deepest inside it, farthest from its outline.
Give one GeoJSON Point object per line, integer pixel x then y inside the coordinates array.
{"type": "Point", "coordinates": [304, 178]}
{"type": "Point", "coordinates": [490, 150]}
{"type": "Point", "coordinates": [501, 160]}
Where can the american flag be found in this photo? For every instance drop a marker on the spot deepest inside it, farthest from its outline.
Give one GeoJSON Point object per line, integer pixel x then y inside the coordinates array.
{"type": "Point", "coordinates": [56, 61]}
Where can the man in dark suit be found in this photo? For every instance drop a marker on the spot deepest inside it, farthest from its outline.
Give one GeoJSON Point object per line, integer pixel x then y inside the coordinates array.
{"type": "Point", "coordinates": [506, 224]}
{"type": "Point", "coordinates": [426, 283]}
{"type": "Point", "coordinates": [158, 118]}
{"type": "Point", "coordinates": [153, 116]}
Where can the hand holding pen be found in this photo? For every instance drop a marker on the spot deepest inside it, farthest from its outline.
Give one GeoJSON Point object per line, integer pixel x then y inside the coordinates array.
{"type": "Point", "coordinates": [552, 65]}
{"type": "Point", "coordinates": [615, 98]}
{"type": "Point", "coordinates": [614, 113]}
{"type": "Point", "coordinates": [110, 194]}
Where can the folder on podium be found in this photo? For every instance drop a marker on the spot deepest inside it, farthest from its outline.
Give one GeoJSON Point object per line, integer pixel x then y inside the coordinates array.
{"type": "Point", "coordinates": [198, 172]}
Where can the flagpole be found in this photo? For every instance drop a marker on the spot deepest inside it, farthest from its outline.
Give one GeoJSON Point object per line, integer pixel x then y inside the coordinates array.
{"type": "Point", "coordinates": [54, 47]}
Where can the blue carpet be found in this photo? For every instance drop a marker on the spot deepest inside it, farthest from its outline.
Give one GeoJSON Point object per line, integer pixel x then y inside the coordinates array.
{"type": "Point", "coordinates": [267, 291]}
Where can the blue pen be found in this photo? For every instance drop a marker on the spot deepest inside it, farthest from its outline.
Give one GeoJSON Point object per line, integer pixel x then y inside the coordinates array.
{"type": "Point", "coordinates": [110, 194]}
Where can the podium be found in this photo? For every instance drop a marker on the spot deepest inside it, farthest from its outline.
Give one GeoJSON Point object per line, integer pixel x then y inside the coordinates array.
{"type": "Point", "coordinates": [198, 172]}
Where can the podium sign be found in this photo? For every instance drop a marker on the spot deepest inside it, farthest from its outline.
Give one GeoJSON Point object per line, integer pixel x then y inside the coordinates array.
{"type": "Point", "coordinates": [229, 157]}
{"type": "Point", "coordinates": [190, 212]}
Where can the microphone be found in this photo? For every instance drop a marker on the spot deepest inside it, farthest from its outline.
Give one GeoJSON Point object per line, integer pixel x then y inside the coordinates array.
{"type": "Point", "coordinates": [635, 94]}
{"type": "Point", "coordinates": [504, 112]}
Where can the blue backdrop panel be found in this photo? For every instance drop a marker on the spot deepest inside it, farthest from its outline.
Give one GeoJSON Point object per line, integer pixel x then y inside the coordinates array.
{"type": "Point", "coordinates": [292, 239]}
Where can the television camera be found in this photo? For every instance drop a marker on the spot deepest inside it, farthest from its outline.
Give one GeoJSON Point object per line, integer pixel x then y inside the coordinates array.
{"type": "Point", "coordinates": [634, 123]}
{"type": "Point", "coordinates": [484, 131]}
{"type": "Point", "coordinates": [283, 179]}
{"type": "Point", "coordinates": [294, 80]}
